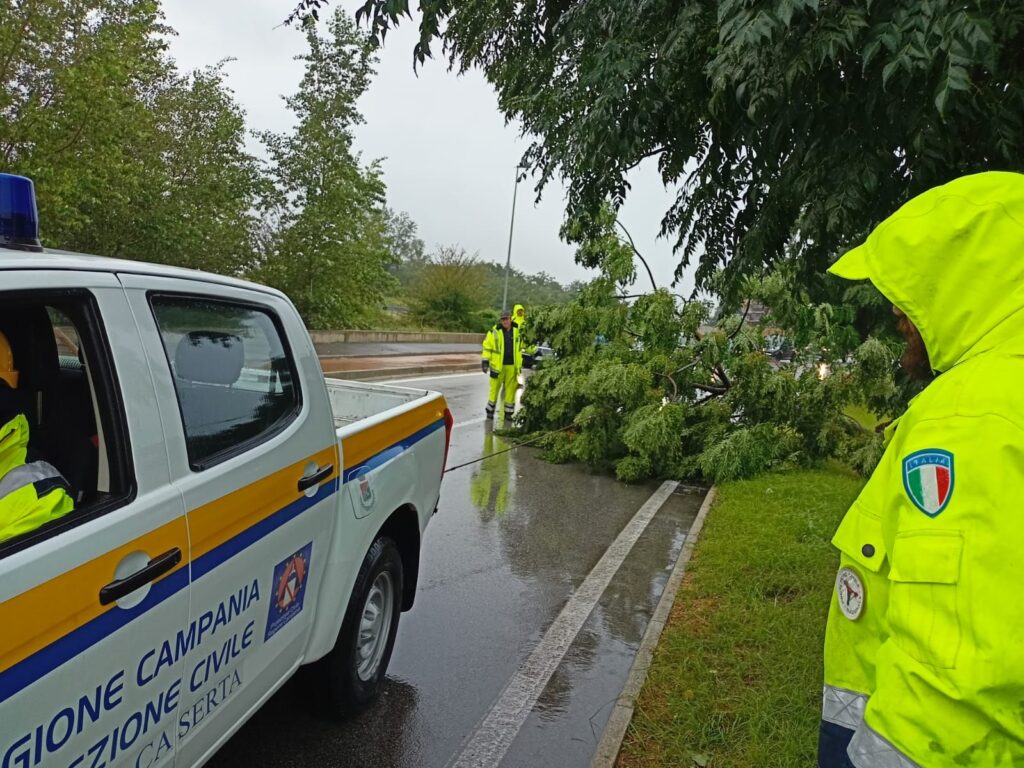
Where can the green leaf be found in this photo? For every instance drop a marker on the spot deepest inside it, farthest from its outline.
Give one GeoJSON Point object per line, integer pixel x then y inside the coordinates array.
{"type": "Point", "coordinates": [784, 11]}
{"type": "Point", "coordinates": [870, 51]}
{"type": "Point", "coordinates": [889, 70]}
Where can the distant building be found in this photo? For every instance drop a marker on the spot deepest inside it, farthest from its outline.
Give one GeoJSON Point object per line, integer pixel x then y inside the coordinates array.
{"type": "Point", "coordinates": [755, 311]}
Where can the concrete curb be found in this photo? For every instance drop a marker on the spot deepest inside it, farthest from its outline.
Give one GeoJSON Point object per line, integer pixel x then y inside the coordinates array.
{"type": "Point", "coordinates": [395, 337]}
{"type": "Point", "coordinates": [622, 713]}
{"type": "Point", "coordinates": [377, 374]}
{"type": "Point", "coordinates": [397, 354]}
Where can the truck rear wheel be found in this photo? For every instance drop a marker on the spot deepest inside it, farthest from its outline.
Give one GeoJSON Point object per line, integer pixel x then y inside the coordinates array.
{"type": "Point", "coordinates": [355, 667]}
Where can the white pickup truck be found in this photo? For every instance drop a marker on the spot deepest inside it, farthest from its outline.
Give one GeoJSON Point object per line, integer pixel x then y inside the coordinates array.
{"type": "Point", "coordinates": [236, 515]}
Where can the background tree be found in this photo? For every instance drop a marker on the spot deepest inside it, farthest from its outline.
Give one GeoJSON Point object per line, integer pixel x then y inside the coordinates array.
{"type": "Point", "coordinates": [130, 157]}
{"type": "Point", "coordinates": [75, 79]}
{"type": "Point", "coordinates": [331, 252]}
{"type": "Point", "coordinates": [211, 187]}
{"type": "Point", "coordinates": [425, 278]}
{"type": "Point", "coordinates": [449, 292]}
{"type": "Point", "coordinates": [403, 242]}
{"type": "Point", "coordinates": [533, 290]}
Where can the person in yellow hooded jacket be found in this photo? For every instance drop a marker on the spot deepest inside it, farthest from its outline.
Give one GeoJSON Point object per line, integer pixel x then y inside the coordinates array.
{"type": "Point", "coordinates": [502, 360]}
{"type": "Point", "coordinates": [31, 493]}
{"type": "Point", "coordinates": [924, 646]}
{"type": "Point", "coordinates": [519, 320]}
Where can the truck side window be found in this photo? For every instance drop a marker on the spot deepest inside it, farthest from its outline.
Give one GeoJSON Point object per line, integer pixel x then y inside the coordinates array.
{"type": "Point", "coordinates": [235, 380]}
{"type": "Point", "coordinates": [65, 392]}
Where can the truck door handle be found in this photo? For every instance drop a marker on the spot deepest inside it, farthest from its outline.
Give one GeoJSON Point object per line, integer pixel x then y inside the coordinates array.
{"type": "Point", "coordinates": [307, 482]}
{"type": "Point", "coordinates": [158, 566]}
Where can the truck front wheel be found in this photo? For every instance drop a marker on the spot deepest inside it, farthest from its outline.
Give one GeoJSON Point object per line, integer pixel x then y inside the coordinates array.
{"type": "Point", "coordinates": [356, 666]}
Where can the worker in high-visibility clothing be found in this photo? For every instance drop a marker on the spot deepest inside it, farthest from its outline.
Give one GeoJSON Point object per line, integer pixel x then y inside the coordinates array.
{"type": "Point", "coordinates": [924, 648]}
{"type": "Point", "coordinates": [31, 493]}
{"type": "Point", "coordinates": [502, 361]}
{"type": "Point", "coordinates": [519, 320]}
{"type": "Point", "coordinates": [519, 317]}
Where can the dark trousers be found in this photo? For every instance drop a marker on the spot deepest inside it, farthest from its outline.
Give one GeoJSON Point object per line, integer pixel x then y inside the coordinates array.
{"type": "Point", "coordinates": [832, 743]}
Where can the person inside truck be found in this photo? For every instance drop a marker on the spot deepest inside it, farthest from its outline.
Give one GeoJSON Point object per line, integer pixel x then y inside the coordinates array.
{"type": "Point", "coordinates": [32, 493]}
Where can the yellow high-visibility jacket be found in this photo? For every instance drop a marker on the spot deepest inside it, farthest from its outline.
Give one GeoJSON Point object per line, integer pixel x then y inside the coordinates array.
{"type": "Point", "coordinates": [924, 648]}
{"type": "Point", "coordinates": [494, 348]}
{"type": "Point", "coordinates": [31, 494]}
{"type": "Point", "coordinates": [529, 349]}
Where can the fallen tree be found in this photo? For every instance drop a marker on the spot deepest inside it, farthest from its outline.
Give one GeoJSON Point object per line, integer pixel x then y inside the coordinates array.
{"type": "Point", "coordinates": [651, 385]}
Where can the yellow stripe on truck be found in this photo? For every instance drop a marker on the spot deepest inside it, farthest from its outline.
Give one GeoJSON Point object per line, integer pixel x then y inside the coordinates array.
{"type": "Point", "coordinates": [361, 446]}
{"type": "Point", "coordinates": [222, 519]}
{"type": "Point", "coordinates": [43, 614]}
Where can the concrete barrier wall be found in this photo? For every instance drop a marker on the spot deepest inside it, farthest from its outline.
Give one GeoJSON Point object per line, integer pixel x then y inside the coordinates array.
{"type": "Point", "coordinates": [394, 337]}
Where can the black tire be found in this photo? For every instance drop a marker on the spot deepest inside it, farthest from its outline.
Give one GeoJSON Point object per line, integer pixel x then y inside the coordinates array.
{"type": "Point", "coordinates": [353, 680]}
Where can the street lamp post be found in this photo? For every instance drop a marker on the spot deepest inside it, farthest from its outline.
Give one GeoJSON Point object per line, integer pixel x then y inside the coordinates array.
{"type": "Point", "coordinates": [511, 225]}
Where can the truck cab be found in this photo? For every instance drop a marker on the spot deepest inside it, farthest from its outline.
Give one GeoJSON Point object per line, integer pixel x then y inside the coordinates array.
{"type": "Point", "coordinates": [236, 515]}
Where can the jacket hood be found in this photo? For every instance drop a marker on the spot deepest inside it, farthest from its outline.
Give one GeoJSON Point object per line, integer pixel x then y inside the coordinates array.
{"type": "Point", "coordinates": [515, 311]}
{"type": "Point", "coordinates": [953, 260]}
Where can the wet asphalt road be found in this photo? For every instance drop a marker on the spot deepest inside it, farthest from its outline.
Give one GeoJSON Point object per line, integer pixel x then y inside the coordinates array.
{"type": "Point", "coordinates": [512, 543]}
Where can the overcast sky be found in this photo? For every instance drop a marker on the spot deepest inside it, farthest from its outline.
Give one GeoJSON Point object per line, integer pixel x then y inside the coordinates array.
{"type": "Point", "coordinates": [449, 159]}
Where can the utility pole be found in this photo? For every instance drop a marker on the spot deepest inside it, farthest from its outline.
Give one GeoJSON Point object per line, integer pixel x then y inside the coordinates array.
{"type": "Point", "coordinates": [511, 225]}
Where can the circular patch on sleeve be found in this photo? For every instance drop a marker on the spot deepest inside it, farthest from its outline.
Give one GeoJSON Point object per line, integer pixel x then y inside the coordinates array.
{"type": "Point", "coordinates": [850, 593]}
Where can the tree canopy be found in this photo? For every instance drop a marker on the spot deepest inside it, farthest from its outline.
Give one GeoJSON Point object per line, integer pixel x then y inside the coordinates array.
{"type": "Point", "coordinates": [788, 127]}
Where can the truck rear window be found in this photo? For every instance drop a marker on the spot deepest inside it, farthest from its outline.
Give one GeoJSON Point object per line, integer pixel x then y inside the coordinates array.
{"type": "Point", "coordinates": [235, 381]}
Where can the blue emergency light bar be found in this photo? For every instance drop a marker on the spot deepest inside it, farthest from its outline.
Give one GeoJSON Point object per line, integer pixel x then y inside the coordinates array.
{"type": "Point", "coordinates": [19, 219]}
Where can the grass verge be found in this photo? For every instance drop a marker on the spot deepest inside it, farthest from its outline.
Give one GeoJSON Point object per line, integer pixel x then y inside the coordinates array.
{"type": "Point", "coordinates": [736, 678]}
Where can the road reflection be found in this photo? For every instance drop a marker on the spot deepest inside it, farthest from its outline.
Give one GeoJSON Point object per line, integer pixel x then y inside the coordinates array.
{"type": "Point", "coordinates": [491, 482]}
{"type": "Point", "coordinates": [379, 737]}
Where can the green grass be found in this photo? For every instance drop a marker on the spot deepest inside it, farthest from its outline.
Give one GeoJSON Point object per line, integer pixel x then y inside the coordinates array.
{"type": "Point", "coordinates": [736, 678]}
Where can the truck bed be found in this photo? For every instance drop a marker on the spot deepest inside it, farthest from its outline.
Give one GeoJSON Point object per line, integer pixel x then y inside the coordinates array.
{"type": "Point", "coordinates": [353, 402]}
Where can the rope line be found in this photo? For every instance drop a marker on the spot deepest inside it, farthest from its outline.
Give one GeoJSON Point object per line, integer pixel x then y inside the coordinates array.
{"type": "Point", "coordinates": [512, 447]}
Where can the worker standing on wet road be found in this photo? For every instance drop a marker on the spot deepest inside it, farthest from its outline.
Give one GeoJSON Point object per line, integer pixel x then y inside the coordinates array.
{"type": "Point", "coordinates": [502, 361]}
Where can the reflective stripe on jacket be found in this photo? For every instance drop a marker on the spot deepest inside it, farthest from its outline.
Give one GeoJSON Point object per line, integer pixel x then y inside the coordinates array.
{"type": "Point", "coordinates": [31, 494]}
{"type": "Point", "coordinates": [494, 348]}
{"type": "Point", "coordinates": [925, 666]}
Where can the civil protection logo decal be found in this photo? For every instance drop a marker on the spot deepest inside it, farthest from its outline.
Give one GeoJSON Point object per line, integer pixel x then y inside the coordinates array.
{"type": "Point", "coordinates": [288, 589]}
{"type": "Point", "coordinates": [928, 478]}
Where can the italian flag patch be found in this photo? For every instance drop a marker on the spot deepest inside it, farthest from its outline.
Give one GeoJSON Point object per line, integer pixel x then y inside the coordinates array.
{"type": "Point", "coordinates": [928, 479]}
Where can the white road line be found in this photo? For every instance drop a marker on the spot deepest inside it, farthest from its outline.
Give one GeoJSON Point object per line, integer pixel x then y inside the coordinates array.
{"type": "Point", "coordinates": [470, 422]}
{"type": "Point", "coordinates": [496, 732]}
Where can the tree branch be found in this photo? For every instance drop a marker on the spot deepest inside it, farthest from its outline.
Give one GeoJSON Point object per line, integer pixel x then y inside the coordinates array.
{"type": "Point", "coordinates": [743, 319]}
{"type": "Point", "coordinates": [853, 425]}
{"type": "Point", "coordinates": [720, 372]}
{"type": "Point", "coordinates": [675, 388]}
{"type": "Point", "coordinates": [652, 153]}
{"type": "Point", "coordinates": [641, 295]}
{"type": "Point", "coordinates": [711, 389]}
{"type": "Point", "coordinates": [639, 255]}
